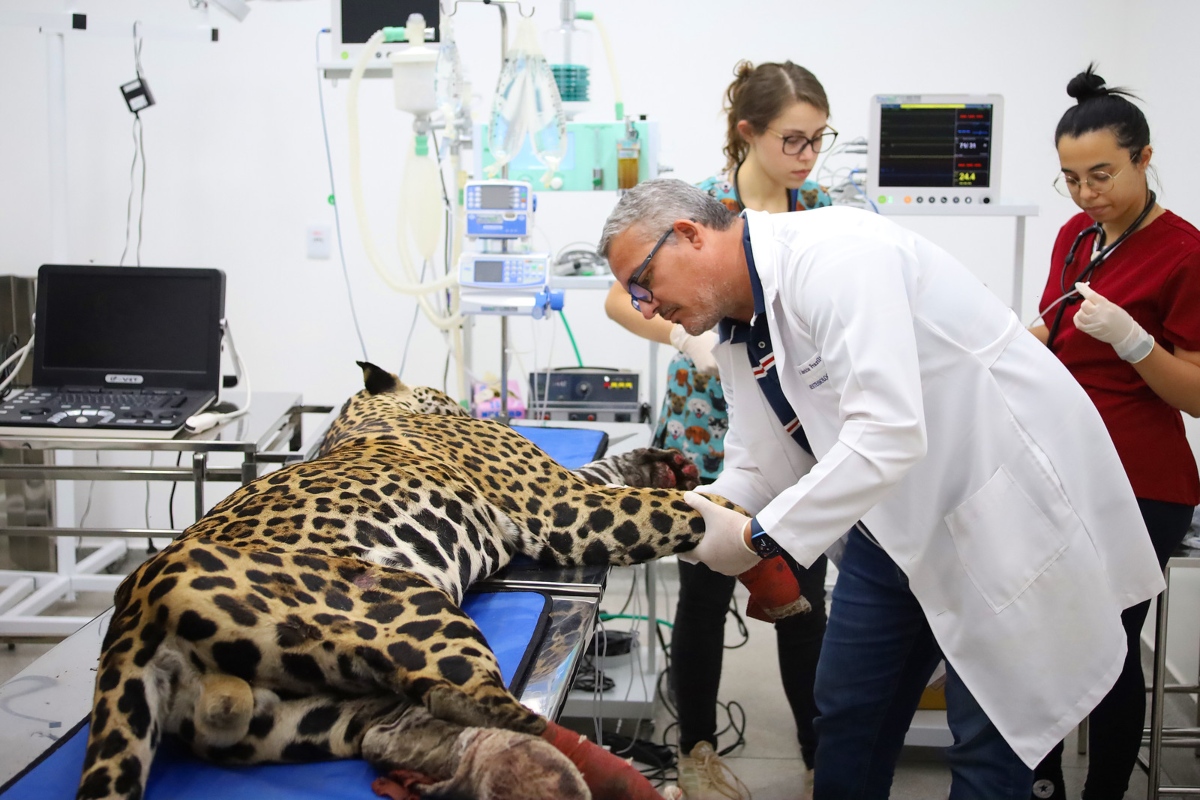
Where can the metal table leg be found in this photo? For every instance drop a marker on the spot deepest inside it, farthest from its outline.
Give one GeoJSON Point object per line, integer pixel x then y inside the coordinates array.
{"type": "Point", "coordinates": [199, 462]}
{"type": "Point", "coordinates": [1158, 693]}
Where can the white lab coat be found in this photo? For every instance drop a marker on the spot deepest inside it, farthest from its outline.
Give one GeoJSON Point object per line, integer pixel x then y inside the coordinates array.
{"type": "Point", "coordinates": [972, 455]}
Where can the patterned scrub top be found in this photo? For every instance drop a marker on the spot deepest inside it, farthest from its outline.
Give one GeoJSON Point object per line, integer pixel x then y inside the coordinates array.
{"type": "Point", "coordinates": [694, 417]}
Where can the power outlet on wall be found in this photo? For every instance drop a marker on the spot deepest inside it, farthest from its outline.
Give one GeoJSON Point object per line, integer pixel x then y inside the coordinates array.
{"type": "Point", "coordinates": [318, 241]}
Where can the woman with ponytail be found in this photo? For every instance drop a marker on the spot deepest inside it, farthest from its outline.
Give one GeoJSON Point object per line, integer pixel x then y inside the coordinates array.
{"type": "Point", "coordinates": [778, 124]}
{"type": "Point", "coordinates": [1121, 310]}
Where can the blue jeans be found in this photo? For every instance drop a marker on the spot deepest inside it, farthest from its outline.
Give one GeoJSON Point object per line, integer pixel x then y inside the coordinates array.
{"type": "Point", "coordinates": [877, 657]}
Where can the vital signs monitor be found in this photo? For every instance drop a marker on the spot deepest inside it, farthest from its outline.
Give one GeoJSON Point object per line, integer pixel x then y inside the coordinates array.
{"type": "Point", "coordinates": [354, 21]}
{"type": "Point", "coordinates": [934, 149]}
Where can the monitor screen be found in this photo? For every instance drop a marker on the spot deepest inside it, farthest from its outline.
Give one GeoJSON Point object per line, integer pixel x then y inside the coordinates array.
{"type": "Point", "coordinates": [489, 271]}
{"type": "Point", "coordinates": [361, 18]}
{"type": "Point", "coordinates": [162, 323]}
{"type": "Point", "coordinates": [496, 196]}
{"type": "Point", "coordinates": [935, 144]}
{"type": "Point", "coordinates": [934, 153]}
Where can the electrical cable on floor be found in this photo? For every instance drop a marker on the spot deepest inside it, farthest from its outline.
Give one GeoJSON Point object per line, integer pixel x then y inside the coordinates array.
{"type": "Point", "coordinates": [735, 714]}
{"type": "Point", "coordinates": [591, 677]}
{"type": "Point", "coordinates": [738, 620]}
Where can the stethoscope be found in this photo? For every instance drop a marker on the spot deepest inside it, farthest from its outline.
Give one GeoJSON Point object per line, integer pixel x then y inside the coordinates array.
{"type": "Point", "coordinates": [1101, 252]}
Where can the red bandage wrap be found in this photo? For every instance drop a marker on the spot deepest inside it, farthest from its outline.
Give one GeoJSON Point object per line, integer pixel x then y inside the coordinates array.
{"type": "Point", "coordinates": [608, 777]}
{"type": "Point", "coordinates": [774, 591]}
{"type": "Point", "coordinates": [401, 784]}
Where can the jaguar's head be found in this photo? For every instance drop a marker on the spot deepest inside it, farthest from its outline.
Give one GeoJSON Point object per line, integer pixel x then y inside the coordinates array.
{"type": "Point", "coordinates": [383, 400]}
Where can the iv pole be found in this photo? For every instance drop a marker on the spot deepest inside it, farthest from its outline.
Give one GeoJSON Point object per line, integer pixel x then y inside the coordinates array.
{"type": "Point", "coordinates": [503, 418]}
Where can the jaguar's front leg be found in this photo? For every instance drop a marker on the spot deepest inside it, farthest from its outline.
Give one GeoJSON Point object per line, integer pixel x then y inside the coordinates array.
{"type": "Point", "coordinates": [645, 467]}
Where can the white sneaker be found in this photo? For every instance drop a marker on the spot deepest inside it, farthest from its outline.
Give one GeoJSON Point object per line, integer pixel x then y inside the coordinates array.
{"type": "Point", "coordinates": [703, 775]}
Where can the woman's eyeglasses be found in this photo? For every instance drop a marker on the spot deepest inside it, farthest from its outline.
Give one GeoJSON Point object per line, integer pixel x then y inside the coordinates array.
{"type": "Point", "coordinates": [794, 145]}
{"type": "Point", "coordinates": [1098, 182]}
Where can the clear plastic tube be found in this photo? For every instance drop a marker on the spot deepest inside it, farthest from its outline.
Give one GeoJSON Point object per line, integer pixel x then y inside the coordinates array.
{"type": "Point", "coordinates": [527, 103]}
{"type": "Point", "coordinates": [448, 80]}
{"type": "Point", "coordinates": [618, 103]}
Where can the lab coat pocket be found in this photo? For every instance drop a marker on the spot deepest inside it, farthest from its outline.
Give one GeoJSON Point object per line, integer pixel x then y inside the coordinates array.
{"type": "Point", "coordinates": [1003, 539]}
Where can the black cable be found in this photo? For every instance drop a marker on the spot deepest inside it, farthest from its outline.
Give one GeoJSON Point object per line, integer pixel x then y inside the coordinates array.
{"type": "Point", "coordinates": [412, 327]}
{"type": "Point", "coordinates": [139, 152]}
{"type": "Point", "coordinates": [743, 631]}
{"type": "Point", "coordinates": [587, 675]}
{"type": "Point", "coordinates": [735, 713]}
{"type": "Point", "coordinates": [141, 140]}
{"type": "Point", "coordinates": [171, 498]}
{"type": "Point", "coordinates": [337, 218]}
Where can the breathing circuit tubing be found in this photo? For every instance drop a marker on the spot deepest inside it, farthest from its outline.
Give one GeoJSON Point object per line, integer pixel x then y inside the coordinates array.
{"type": "Point", "coordinates": [417, 169]}
{"type": "Point", "coordinates": [413, 286]}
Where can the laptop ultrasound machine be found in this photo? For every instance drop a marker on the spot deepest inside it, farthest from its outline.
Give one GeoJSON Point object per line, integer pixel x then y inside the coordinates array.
{"type": "Point", "coordinates": [120, 351]}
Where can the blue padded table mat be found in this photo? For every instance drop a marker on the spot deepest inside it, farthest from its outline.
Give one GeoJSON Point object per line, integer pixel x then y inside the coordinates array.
{"type": "Point", "coordinates": [512, 621]}
{"type": "Point", "coordinates": [571, 447]}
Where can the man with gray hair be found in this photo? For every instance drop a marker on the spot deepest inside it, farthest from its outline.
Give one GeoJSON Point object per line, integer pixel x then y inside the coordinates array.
{"type": "Point", "coordinates": [990, 520]}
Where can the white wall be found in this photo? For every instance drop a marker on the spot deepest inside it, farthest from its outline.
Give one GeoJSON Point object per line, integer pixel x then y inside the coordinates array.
{"type": "Point", "coordinates": [236, 164]}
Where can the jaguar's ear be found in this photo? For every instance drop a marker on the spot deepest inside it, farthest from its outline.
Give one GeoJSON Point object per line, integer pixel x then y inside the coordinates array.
{"type": "Point", "coordinates": [378, 380]}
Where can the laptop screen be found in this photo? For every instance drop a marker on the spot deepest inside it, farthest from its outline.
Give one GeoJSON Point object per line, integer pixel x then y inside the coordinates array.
{"type": "Point", "coordinates": [128, 327]}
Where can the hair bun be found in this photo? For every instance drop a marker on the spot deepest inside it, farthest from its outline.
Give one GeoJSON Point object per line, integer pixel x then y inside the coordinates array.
{"type": "Point", "coordinates": [1086, 85]}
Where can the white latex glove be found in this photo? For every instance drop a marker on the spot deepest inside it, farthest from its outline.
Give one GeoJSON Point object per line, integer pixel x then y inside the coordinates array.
{"type": "Point", "coordinates": [1105, 320]}
{"type": "Point", "coordinates": [697, 348]}
{"type": "Point", "coordinates": [723, 548]}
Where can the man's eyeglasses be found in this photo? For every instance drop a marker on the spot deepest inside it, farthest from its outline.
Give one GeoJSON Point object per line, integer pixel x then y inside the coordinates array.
{"type": "Point", "coordinates": [794, 145]}
{"type": "Point", "coordinates": [1098, 182]}
{"type": "Point", "coordinates": [639, 294]}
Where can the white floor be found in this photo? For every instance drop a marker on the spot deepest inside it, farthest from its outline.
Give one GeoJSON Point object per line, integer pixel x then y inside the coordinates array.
{"type": "Point", "coordinates": [769, 761]}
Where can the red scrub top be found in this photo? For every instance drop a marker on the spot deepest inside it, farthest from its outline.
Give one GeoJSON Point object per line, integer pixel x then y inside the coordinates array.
{"type": "Point", "coordinates": [1155, 276]}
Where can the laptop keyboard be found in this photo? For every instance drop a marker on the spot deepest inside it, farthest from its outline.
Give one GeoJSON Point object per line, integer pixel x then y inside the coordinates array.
{"type": "Point", "coordinates": [118, 401]}
{"type": "Point", "coordinates": [83, 408]}
{"type": "Point", "coordinates": [103, 400]}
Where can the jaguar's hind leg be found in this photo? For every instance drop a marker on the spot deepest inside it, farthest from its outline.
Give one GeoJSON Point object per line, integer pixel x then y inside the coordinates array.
{"type": "Point", "coordinates": [393, 734]}
{"type": "Point", "coordinates": [376, 629]}
{"type": "Point", "coordinates": [473, 762]}
{"type": "Point", "coordinates": [320, 727]}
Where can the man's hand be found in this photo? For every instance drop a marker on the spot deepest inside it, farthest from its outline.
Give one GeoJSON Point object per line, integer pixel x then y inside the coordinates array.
{"type": "Point", "coordinates": [697, 348]}
{"type": "Point", "coordinates": [1105, 320]}
{"type": "Point", "coordinates": [723, 548]}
